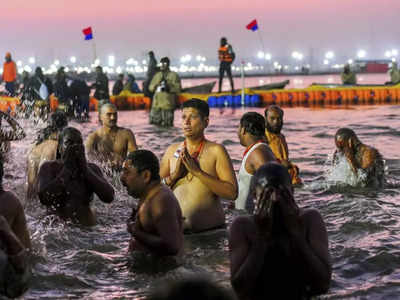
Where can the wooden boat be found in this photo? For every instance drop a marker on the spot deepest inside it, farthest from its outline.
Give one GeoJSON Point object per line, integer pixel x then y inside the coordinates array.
{"type": "Point", "coordinates": [270, 86]}
{"type": "Point", "coordinates": [337, 85]}
{"type": "Point", "coordinates": [204, 88]}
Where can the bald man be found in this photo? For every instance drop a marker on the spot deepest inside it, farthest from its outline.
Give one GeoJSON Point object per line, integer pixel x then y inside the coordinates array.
{"type": "Point", "coordinates": [110, 143]}
{"type": "Point", "coordinates": [277, 141]}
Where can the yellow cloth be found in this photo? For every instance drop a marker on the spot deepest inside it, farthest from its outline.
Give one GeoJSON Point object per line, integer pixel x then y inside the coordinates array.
{"type": "Point", "coordinates": [165, 100]}
{"type": "Point", "coordinates": [278, 145]}
{"type": "Point", "coordinates": [349, 78]}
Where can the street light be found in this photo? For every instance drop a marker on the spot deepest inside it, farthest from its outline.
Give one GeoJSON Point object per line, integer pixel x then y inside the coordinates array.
{"type": "Point", "coordinates": [111, 60]}
{"type": "Point", "coordinates": [32, 60]}
{"type": "Point", "coordinates": [72, 59]}
{"type": "Point", "coordinates": [267, 56]}
{"type": "Point", "coordinates": [329, 55]}
{"type": "Point", "coordinates": [260, 54]}
{"type": "Point", "coordinates": [361, 53]}
{"type": "Point", "coordinates": [56, 62]}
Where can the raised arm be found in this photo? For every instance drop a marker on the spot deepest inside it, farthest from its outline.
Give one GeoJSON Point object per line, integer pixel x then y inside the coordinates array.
{"type": "Point", "coordinates": [52, 186]}
{"type": "Point", "coordinates": [155, 82]}
{"type": "Point", "coordinates": [99, 184]}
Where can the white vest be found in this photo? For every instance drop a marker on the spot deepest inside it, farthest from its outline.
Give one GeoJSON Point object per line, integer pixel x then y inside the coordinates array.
{"type": "Point", "coordinates": [244, 184]}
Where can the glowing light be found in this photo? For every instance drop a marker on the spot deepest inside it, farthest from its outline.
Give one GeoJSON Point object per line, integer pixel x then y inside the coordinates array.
{"type": "Point", "coordinates": [111, 60]}
{"type": "Point", "coordinates": [329, 55]}
{"type": "Point", "coordinates": [32, 60]}
{"type": "Point", "coordinates": [19, 63]}
{"type": "Point", "coordinates": [350, 61]}
{"type": "Point", "coordinates": [326, 62]}
{"type": "Point", "coordinates": [260, 54]}
{"type": "Point", "coordinates": [56, 62]}
{"type": "Point", "coordinates": [267, 56]}
{"type": "Point", "coordinates": [361, 53]}
{"type": "Point", "coordinates": [394, 52]}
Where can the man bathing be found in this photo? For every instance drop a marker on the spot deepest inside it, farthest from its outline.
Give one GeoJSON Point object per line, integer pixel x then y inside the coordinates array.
{"type": "Point", "coordinates": [45, 148]}
{"type": "Point", "coordinates": [277, 141]}
{"type": "Point", "coordinates": [156, 223]}
{"type": "Point", "coordinates": [361, 158]}
{"type": "Point", "coordinates": [66, 185]}
{"type": "Point", "coordinates": [110, 144]}
{"type": "Point", "coordinates": [199, 171]}
{"type": "Point", "coordinates": [252, 136]}
{"type": "Point", "coordinates": [282, 251]}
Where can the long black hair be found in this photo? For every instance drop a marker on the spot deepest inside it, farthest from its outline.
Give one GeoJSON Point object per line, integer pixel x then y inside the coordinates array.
{"type": "Point", "coordinates": [56, 123]}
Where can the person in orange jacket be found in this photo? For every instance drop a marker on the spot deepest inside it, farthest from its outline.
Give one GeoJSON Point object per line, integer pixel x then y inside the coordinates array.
{"type": "Point", "coordinates": [9, 74]}
{"type": "Point", "coordinates": [226, 57]}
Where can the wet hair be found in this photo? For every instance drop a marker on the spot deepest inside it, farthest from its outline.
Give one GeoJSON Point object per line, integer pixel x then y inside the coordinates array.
{"type": "Point", "coordinates": [224, 40]}
{"type": "Point", "coordinates": [151, 53]}
{"type": "Point", "coordinates": [57, 121]}
{"type": "Point", "coordinates": [275, 108]}
{"type": "Point", "coordinates": [66, 131]}
{"type": "Point", "coordinates": [346, 134]}
{"type": "Point", "coordinates": [109, 105]}
{"type": "Point", "coordinates": [201, 106]}
{"type": "Point", "coordinates": [270, 175]}
{"type": "Point", "coordinates": [253, 123]}
{"type": "Point", "coordinates": [193, 288]}
{"type": "Point", "coordinates": [145, 160]}
{"type": "Point", "coordinates": [165, 60]}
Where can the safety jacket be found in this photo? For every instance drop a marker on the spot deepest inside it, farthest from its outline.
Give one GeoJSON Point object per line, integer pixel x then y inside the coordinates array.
{"type": "Point", "coordinates": [225, 53]}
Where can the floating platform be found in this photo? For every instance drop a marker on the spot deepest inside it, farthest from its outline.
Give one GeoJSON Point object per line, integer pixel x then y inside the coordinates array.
{"type": "Point", "coordinates": [314, 95]}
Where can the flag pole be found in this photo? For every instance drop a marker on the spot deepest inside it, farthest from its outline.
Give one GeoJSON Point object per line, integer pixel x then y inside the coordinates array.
{"type": "Point", "coordinates": [242, 75]}
{"type": "Point", "coordinates": [94, 51]}
{"type": "Point", "coordinates": [261, 40]}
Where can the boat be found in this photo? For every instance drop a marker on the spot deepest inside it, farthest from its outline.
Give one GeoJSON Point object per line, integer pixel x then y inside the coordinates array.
{"type": "Point", "coordinates": [338, 85]}
{"type": "Point", "coordinates": [204, 88]}
{"type": "Point", "coordinates": [271, 86]}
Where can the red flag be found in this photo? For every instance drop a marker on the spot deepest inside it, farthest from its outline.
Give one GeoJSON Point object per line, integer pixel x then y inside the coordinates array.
{"type": "Point", "coordinates": [88, 33]}
{"type": "Point", "coordinates": [253, 26]}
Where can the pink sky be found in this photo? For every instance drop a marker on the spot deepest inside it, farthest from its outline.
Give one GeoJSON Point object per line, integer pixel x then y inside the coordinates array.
{"type": "Point", "coordinates": [52, 28]}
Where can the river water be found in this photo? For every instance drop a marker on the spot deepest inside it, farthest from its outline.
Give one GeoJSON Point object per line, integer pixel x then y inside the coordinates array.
{"type": "Point", "coordinates": [363, 224]}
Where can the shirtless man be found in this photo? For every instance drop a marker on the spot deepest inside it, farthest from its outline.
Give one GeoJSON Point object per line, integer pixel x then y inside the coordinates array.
{"type": "Point", "coordinates": [11, 209]}
{"type": "Point", "coordinates": [282, 251]}
{"type": "Point", "coordinates": [156, 224]}
{"type": "Point", "coordinates": [15, 272]}
{"type": "Point", "coordinates": [277, 141]}
{"type": "Point", "coordinates": [66, 185]}
{"type": "Point", "coordinates": [14, 241]}
{"type": "Point", "coordinates": [110, 143]}
{"type": "Point", "coordinates": [16, 133]}
{"type": "Point", "coordinates": [252, 136]}
{"type": "Point", "coordinates": [199, 171]}
{"type": "Point", "coordinates": [360, 157]}
{"type": "Point", "coordinates": [45, 148]}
